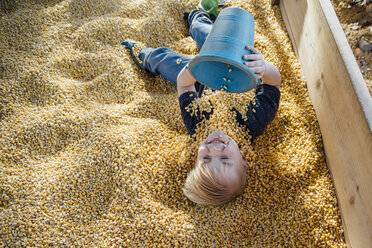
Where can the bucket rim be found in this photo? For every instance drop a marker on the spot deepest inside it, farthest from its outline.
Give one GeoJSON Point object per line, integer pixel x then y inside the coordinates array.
{"type": "Point", "coordinates": [242, 67]}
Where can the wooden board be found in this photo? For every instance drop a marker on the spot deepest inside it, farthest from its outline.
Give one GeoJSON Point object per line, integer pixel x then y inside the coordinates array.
{"type": "Point", "coordinates": [343, 106]}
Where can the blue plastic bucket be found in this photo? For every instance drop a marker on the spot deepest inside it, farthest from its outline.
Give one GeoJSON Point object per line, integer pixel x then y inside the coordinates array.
{"type": "Point", "coordinates": [220, 64]}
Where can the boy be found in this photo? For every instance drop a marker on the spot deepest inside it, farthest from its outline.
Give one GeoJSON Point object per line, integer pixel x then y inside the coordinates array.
{"type": "Point", "coordinates": [219, 175]}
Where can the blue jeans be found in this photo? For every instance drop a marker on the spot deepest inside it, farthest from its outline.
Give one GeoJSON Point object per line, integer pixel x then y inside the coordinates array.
{"type": "Point", "coordinates": [168, 63]}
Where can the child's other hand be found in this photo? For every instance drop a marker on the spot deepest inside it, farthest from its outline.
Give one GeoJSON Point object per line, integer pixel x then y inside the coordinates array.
{"type": "Point", "coordinates": [257, 63]}
{"type": "Point", "coordinates": [185, 81]}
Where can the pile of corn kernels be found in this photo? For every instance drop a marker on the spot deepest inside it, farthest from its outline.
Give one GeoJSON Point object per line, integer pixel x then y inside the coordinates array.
{"type": "Point", "coordinates": [94, 152]}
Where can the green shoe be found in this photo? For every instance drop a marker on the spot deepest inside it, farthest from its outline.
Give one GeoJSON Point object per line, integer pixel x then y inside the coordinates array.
{"type": "Point", "coordinates": [209, 6]}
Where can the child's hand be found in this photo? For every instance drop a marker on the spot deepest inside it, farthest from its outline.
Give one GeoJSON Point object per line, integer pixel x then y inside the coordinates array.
{"type": "Point", "coordinates": [264, 70]}
{"type": "Point", "coordinates": [257, 63]}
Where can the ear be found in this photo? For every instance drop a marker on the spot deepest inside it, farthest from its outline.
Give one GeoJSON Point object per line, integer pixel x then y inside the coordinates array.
{"type": "Point", "coordinates": [244, 163]}
{"type": "Point", "coordinates": [243, 155]}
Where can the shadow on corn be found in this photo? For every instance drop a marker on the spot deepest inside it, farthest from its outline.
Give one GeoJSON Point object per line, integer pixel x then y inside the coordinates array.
{"type": "Point", "coordinates": [98, 33]}
{"type": "Point", "coordinates": [112, 87]}
{"type": "Point", "coordinates": [6, 197]}
{"type": "Point", "coordinates": [86, 188]}
{"type": "Point", "coordinates": [85, 66]}
{"type": "Point", "coordinates": [8, 6]}
{"type": "Point", "coordinates": [23, 29]}
{"type": "Point", "coordinates": [81, 9]}
{"type": "Point", "coordinates": [34, 88]}
{"type": "Point", "coordinates": [155, 109]}
{"type": "Point", "coordinates": [31, 89]}
{"type": "Point", "coordinates": [155, 31]}
{"type": "Point", "coordinates": [35, 138]}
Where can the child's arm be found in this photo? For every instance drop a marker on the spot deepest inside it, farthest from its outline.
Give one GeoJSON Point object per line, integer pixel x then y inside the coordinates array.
{"type": "Point", "coordinates": [264, 70]}
{"type": "Point", "coordinates": [185, 81]}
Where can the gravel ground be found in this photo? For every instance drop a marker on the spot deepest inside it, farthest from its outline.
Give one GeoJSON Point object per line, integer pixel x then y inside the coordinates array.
{"type": "Point", "coordinates": [356, 18]}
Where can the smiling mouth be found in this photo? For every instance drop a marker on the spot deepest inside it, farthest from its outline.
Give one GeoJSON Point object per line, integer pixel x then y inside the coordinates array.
{"type": "Point", "coordinates": [216, 140]}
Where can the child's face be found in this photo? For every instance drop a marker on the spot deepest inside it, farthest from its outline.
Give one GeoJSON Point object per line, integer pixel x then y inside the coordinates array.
{"type": "Point", "coordinates": [221, 154]}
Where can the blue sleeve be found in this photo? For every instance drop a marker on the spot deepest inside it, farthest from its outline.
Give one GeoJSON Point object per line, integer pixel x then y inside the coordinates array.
{"type": "Point", "coordinates": [261, 111]}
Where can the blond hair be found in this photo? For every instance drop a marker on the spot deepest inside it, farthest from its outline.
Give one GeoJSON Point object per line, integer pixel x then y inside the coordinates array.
{"type": "Point", "coordinates": [204, 188]}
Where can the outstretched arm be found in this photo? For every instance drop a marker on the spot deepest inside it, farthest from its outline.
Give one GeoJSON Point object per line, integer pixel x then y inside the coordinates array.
{"type": "Point", "coordinates": [264, 70]}
{"type": "Point", "coordinates": [185, 81]}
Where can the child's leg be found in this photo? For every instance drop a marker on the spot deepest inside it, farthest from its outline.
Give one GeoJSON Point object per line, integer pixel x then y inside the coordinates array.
{"type": "Point", "coordinates": [200, 26]}
{"type": "Point", "coordinates": [160, 60]}
{"type": "Point", "coordinates": [163, 61]}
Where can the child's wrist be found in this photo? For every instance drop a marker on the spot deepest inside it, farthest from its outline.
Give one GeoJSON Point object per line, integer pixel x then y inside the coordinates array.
{"type": "Point", "coordinates": [266, 67]}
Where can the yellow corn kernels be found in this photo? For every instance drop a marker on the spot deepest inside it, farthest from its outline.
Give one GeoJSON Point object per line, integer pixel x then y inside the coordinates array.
{"type": "Point", "coordinates": [94, 152]}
